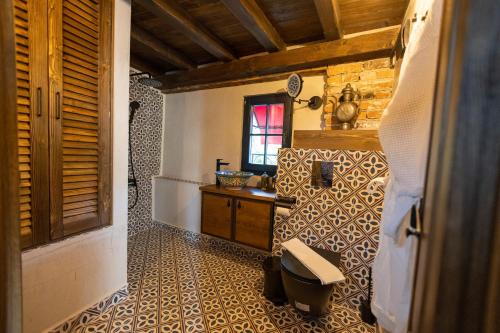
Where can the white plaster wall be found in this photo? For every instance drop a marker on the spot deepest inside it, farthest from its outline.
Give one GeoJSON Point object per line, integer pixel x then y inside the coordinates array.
{"type": "Point", "coordinates": [62, 279]}
{"type": "Point", "coordinates": [177, 203]}
{"type": "Point", "coordinates": [200, 127]}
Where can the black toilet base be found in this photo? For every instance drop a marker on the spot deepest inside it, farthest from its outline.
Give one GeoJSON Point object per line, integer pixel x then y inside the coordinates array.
{"type": "Point", "coordinates": [307, 297]}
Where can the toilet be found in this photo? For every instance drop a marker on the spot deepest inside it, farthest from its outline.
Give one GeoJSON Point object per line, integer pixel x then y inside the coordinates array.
{"type": "Point", "coordinates": [302, 288]}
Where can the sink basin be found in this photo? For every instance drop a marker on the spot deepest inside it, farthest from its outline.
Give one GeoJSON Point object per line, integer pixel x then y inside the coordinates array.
{"type": "Point", "coordinates": [233, 180]}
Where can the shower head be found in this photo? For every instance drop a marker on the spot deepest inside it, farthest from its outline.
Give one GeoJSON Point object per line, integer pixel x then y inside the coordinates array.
{"type": "Point", "coordinates": [148, 81]}
{"type": "Point", "coordinates": [133, 106]}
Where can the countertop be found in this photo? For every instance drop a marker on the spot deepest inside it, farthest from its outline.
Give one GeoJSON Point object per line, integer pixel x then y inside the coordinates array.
{"type": "Point", "coordinates": [246, 192]}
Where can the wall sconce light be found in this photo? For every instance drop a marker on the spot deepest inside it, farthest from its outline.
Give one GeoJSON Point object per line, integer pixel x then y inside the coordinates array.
{"type": "Point", "coordinates": [294, 87]}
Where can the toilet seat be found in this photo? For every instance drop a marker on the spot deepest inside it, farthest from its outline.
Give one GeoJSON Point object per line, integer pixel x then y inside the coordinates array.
{"type": "Point", "coordinates": [300, 272]}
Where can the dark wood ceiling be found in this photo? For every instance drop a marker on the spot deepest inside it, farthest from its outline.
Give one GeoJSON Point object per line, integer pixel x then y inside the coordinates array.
{"type": "Point", "coordinates": [363, 15]}
{"type": "Point", "coordinates": [296, 21]}
{"type": "Point", "coordinates": [202, 32]}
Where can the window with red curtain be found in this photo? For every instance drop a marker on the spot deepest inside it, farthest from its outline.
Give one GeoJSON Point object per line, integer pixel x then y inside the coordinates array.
{"type": "Point", "coordinates": [266, 129]}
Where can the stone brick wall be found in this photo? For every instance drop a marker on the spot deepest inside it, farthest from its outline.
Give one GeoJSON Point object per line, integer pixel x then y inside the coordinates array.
{"type": "Point", "coordinates": [373, 78]}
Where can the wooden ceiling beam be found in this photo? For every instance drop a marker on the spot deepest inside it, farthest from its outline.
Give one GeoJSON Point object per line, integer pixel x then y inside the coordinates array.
{"type": "Point", "coordinates": [329, 16]}
{"type": "Point", "coordinates": [170, 55]}
{"type": "Point", "coordinates": [177, 17]}
{"type": "Point", "coordinates": [363, 47]}
{"type": "Point", "coordinates": [251, 80]}
{"type": "Point", "coordinates": [256, 22]}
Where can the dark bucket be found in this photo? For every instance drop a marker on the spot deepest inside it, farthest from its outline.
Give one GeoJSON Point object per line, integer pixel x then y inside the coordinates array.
{"type": "Point", "coordinates": [273, 284]}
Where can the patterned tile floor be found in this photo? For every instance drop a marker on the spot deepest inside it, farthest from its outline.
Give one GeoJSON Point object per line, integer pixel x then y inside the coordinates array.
{"type": "Point", "coordinates": [183, 282]}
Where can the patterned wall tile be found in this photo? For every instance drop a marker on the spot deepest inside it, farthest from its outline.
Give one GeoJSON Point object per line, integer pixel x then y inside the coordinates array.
{"type": "Point", "coordinates": [145, 134]}
{"type": "Point", "coordinates": [344, 218]}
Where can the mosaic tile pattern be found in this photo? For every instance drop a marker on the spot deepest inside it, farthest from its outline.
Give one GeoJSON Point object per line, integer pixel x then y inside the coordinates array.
{"type": "Point", "coordinates": [183, 282]}
{"type": "Point", "coordinates": [92, 313]}
{"type": "Point", "coordinates": [344, 218]}
{"type": "Point", "coordinates": [146, 132]}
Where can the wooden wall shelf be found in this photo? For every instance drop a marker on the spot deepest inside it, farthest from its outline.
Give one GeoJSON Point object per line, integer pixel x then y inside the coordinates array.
{"type": "Point", "coordinates": [337, 140]}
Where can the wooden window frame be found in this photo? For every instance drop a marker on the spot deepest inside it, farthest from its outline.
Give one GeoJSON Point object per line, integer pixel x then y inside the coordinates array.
{"type": "Point", "coordinates": [249, 101]}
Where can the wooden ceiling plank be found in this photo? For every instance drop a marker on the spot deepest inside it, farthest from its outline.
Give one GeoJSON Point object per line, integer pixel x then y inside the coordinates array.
{"type": "Point", "coordinates": [176, 16]}
{"type": "Point", "coordinates": [329, 16]}
{"type": "Point", "coordinates": [142, 65]}
{"type": "Point", "coordinates": [363, 47]}
{"type": "Point", "coordinates": [256, 22]}
{"type": "Point", "coordinates": [171, 56]}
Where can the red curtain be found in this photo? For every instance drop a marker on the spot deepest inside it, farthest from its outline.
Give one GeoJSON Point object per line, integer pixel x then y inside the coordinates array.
{"type": "Point", "coordinates": [274, 119]}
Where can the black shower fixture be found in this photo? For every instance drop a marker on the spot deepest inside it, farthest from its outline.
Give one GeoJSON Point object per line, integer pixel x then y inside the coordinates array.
{"type": "Point", "coordinates": [133, 106]}
{"type": "Point", "coordinates": [132, 182]}
{"type": "Point", "coordinates": [148, 80]}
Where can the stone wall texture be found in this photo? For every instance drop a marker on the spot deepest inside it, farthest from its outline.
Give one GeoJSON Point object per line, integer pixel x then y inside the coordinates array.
{"type": "Point", "coordinates": [374, 79]}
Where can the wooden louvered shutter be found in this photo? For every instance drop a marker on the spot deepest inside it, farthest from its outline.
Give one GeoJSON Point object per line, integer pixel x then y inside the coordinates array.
{"type": "Point", "coordinates": [32, 85]}
{"type": "Point", "coordinates": [80, 55]}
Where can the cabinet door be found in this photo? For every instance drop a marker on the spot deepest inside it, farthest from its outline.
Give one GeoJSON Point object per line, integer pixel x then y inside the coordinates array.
{"type": "Point", "coordinates": [80, 114]}
{"type": "Point", "coordinates": [32, 114]}
{"type": "Point", "coordinates": [216, 215]}
{"type": "Point", "coordinates": [253, 223]}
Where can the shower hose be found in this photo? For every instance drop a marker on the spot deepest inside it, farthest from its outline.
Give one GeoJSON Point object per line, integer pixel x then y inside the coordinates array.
{"type": "Point", "coordinates": [130, 150]}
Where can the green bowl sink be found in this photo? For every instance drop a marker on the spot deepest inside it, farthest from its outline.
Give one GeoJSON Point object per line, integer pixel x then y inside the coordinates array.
{"type": "Point", "coordinates": [233, 180]}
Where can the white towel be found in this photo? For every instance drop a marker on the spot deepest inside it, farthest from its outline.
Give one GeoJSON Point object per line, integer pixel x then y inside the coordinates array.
{"type": "Point", "coordinates": [319, 266]}
{"type": "Point", "coordinates": [405, 125]}
{"type": "Point", "coordinates": [404, 134]}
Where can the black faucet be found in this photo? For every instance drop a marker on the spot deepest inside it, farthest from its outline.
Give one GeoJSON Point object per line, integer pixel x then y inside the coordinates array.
{"type": "Point", "coordinates": [217, 168]}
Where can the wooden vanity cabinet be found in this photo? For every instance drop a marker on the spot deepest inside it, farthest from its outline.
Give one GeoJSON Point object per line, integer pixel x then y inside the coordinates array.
{"type": "Point", "coordinates": [217, 215]}
{"type": "Point", "coordinates": [253, 223]}
{"type": "Point", "coordinates": [244, 216]}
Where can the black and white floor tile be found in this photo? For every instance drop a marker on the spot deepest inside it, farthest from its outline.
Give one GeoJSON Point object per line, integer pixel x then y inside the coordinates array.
{"type": "Point", "coordinates": [92, 313]}
{"type": "Point", "coordinates": [182, 282]}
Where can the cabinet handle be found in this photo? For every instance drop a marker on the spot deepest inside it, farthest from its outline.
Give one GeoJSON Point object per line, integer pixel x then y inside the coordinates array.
{"type": "Point", "coordinates": [58, 105]}
{"type": "Point", "coordinates": [239, 204]}
{"type": "Point", "coordinates": [39, 101]}
{"type": "Point", "coordinates": [229, 203]}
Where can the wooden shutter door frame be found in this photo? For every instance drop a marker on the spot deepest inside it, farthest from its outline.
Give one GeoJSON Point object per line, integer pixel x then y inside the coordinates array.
{"type": "Point", "coordinates": [10, 256]}
{"type": "Point", "coordinates": [30, 20]}
{"type": "Point", "coordinates": [40, 131]}
{"type": "Point", "coordinates": [105, 179]}
{"type": "Point", "coordinates": [104, 110]}
{"type": "Point", "coordinates": [55, 118]}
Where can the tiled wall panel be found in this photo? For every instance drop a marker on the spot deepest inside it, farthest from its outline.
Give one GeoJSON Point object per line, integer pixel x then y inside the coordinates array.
{"type": "Point", "coordinates": [344, 218]}
{"type": "Point", "coordinates": [145, 134]}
